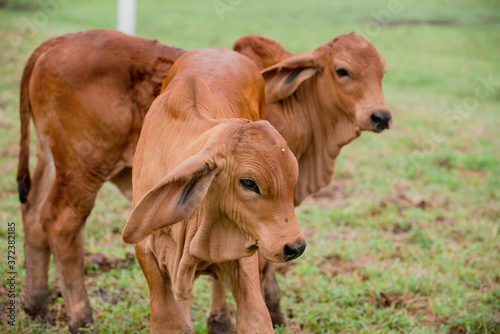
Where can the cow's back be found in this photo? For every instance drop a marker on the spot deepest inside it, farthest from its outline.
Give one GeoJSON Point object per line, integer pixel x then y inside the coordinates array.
{"type": "Point", "coordinates": [95, 87]}
{"type": "Point", "coordinates": [203, 89]}
{"type": "Point", "coordinates": [232, 78]}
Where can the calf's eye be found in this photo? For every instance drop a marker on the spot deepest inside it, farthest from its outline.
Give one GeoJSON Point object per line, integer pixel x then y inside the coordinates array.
{"type": "Point", "coordinates": [250, 185]}
{"type": "Point", "coordinates": [342, 73]}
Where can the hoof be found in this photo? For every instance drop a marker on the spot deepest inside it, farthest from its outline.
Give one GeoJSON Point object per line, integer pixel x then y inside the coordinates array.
{"type": "Point", "coordinates": [272, 299]}
{"type": "Point", "coordinates": [219, 324]}
{"type": "Point", "coordinates": [277, 318]}
{"type": "Point", "coordinates": [36, 307]}
{"type": "Point", "coordinates": [41, 316]}
{"type": "Point", "coordinates": [85, 325]}
{"type": "Point", "coordinates": [83, 328]}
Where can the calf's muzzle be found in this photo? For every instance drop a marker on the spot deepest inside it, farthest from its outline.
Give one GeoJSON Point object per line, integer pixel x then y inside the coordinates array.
{"type": "Point", "coordinates": [294, 251]}
{"type": "Point", "coordinates": [381, 120]}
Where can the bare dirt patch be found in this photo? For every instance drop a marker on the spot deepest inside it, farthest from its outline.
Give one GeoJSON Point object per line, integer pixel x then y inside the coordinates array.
{"type": "Point", "coordinates": [109, 298]}
{"type": "Point", "coordinates": [415, 22]}
{"type": "Point", "coordinates": [330, 196]}
{"type": "Point", "coordinates": [101, 263]}
{"type": "Point", "coordinates": [335, 195]}
{"type": "Point", "coordinates": [293, 327]}
{"type": "Point", "coordinates": [384, 300]}
{"type": "Point", "coordinates": [55, 308]}
{"type": "Point", "coordinates": [418, 307]}
{"type": "Point", "coordinates": [427, 317]}
{"type": "Point", "coordinates": [4, 291]}
{"type": "Point", "coordinates": [477, 174]}
{"type": "Point", "coordinates": [285, 268]}
{"type": "Point", "coordinates": [11, 151]}
{"type": "Point", "coordinates": [13, 5]}
{"type": "Point", "coordinates": [334, 265]}
{"type": "Point", "coordinates": [403, 198]}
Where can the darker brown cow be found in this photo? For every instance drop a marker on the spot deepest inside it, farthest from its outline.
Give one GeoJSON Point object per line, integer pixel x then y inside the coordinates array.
{"type": "Point", "coordinates": [87, 94]}
{"type": "Point", "coordinates": [210, 188]}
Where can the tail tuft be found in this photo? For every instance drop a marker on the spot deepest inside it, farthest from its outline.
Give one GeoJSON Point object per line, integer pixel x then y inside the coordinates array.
{"type": "Point", "coordinates": [24, 186]}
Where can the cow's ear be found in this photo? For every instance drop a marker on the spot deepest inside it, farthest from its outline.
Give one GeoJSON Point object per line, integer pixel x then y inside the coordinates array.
{"type": "Point", "coordinates": [172, 200]}
{"type": "Point", "coordinates": [262, 50]}
{"type": "Point", "coordinates": [283, 79]}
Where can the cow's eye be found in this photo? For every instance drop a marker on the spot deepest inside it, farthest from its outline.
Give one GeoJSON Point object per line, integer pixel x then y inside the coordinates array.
{"type": "Point", "coordinates": [342, 73]}
{"type": "Point", "coordinates": [250, 185]}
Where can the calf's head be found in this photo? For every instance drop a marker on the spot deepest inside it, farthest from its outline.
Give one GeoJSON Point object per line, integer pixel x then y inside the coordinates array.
{"type": "Point", "coordinates": [235, 195]}
{"type": "Point", "coordinates": [343, 77]}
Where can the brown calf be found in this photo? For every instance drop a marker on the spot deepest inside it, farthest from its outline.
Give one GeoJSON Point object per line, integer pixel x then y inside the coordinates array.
{"type": "Point", "coordinates": [210, 189]}
{"type": "Point", "coordinates": [87, 94]}
{"type": "Point", "coordinates": [320, 100]}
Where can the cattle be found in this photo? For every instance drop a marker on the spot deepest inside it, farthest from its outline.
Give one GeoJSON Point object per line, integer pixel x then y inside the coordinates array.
{"type": "Point", "coordinates": [211, 184]}
{"type": "Point", "coordinates": [318, 101]}
{"type": "Point", "coordinates": [87, 94]}
{"type": "Point", "coordinates": [88, 112]}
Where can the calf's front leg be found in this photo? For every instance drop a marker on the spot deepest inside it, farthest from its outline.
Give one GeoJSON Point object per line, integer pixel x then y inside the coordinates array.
{"type": "Point", "coordinates": [167, 315]}
{"type": "Point", "coordinates": [271, 290]}
{"type": "Point", "coordinates": [242, 276]}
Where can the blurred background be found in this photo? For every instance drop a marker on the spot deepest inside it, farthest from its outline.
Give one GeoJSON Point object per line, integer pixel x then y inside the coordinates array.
{"type": "Point", "coordinates": [405, 239]}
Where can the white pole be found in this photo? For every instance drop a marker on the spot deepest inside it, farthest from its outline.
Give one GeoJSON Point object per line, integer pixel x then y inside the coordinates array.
{"type": "Point", "coordinates": [126, 16]}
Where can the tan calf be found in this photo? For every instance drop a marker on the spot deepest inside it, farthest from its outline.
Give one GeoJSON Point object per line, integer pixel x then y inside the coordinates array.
{"type": "Point", "coordinates": [210, 189]}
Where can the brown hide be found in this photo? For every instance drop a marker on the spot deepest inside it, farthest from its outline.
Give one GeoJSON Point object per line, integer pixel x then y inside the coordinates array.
{"type": "Point", "coordinates": [191, 210]}
{"type": "Point", "coordinates": [88, 94]}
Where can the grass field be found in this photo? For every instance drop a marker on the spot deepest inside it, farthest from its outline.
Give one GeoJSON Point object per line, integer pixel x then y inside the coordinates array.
{"type": "Point", "coordinates": [405, 240]}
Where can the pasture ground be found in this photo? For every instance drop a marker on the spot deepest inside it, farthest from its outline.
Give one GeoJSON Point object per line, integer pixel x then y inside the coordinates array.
{"type": "Point", "coordinates": [405, 240]}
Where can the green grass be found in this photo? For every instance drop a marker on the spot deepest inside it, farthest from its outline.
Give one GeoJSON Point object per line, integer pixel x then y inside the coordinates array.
{"type": "Point", "coordinates": [413, 244]}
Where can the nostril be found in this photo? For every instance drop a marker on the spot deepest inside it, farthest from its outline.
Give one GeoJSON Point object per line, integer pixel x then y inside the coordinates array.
{"type": "Point", "coordinates": [381, 120]}
{"type": "Point", "coordinates": [375, 119]}
{"type": "Point", "coordinates": [294, 251]}
{"type": "Point", "coordinates": [302, 248]}
{"type": "Point", "coordinates": [290, 252]}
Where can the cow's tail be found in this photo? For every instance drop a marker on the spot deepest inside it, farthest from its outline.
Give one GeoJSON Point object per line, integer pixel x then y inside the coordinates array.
{"type": "Point", "coordinates": [23, 172]}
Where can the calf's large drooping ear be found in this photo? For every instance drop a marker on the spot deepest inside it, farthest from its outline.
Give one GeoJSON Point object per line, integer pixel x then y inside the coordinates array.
{"type": "Point", "coordinates": [172, 200]}
{"type": "Point", "coordinates": [283, 79]}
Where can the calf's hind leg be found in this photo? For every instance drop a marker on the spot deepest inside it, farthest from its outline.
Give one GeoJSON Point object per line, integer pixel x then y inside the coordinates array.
{"type": "Point", "coordinates": [219, 321]}
{"type": "Point", "coordinates": [63, 217]}
{"type": "Point", "coordinates": [36, 246]}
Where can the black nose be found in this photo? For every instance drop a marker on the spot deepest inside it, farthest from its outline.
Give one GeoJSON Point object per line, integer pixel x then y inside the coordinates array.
{"type": "Point", "coordinates": [294, 251]}
{"type": "Point", "coordinates": [381, 120]}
